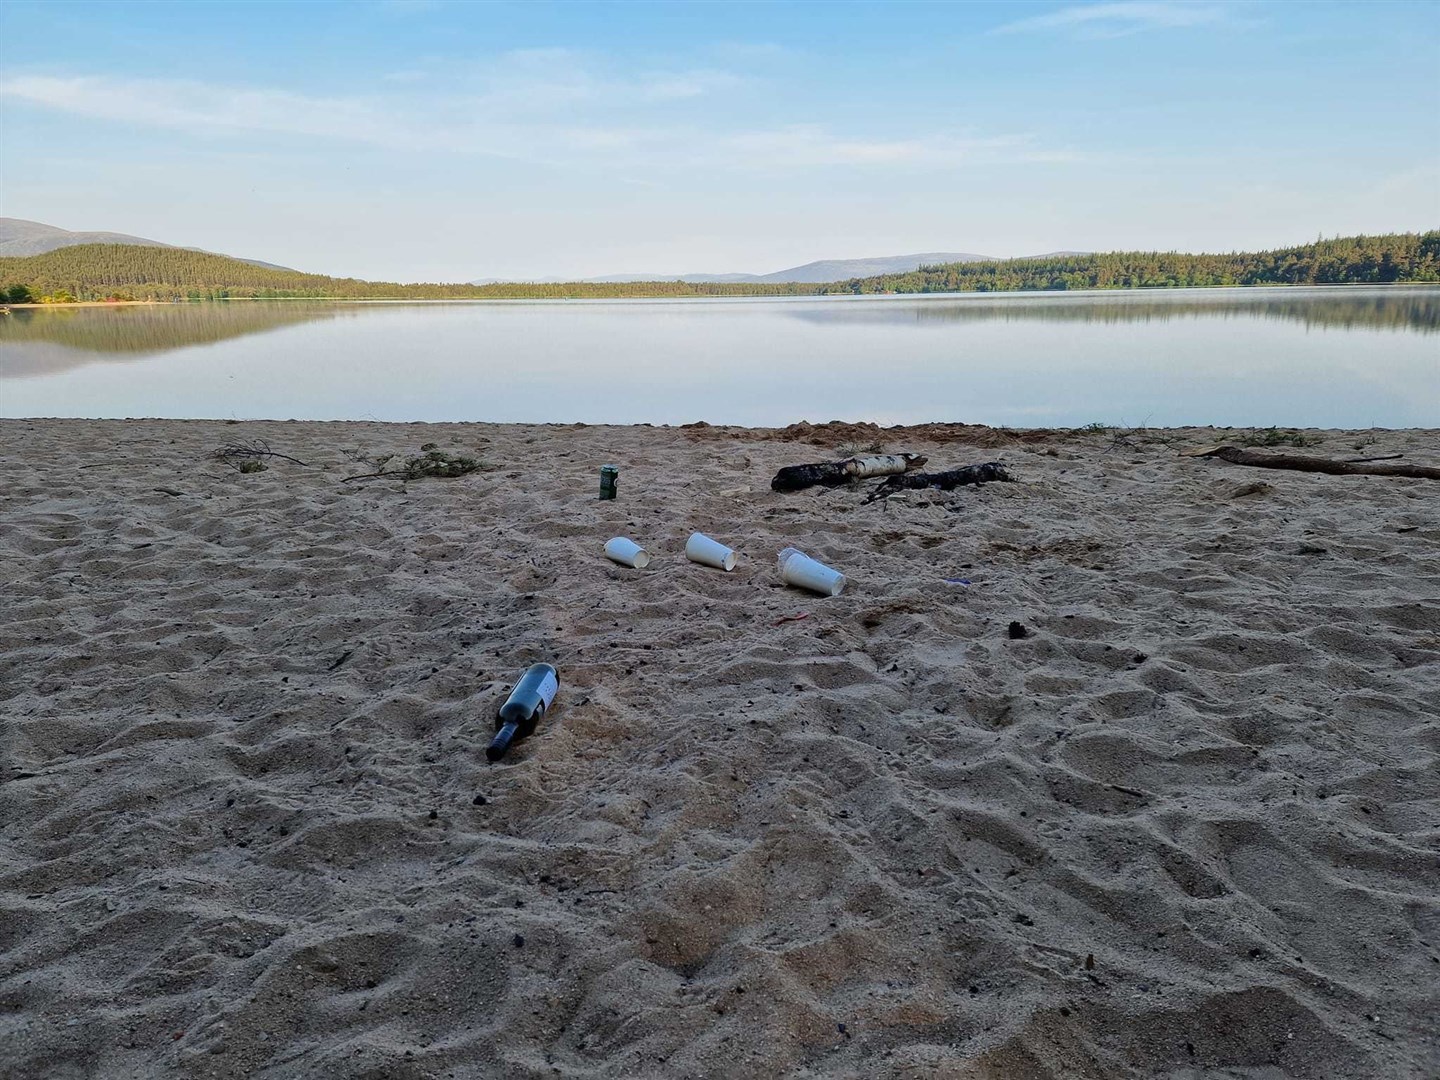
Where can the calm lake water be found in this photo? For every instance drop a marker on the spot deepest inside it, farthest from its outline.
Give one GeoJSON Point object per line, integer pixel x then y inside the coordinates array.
{"type": "Point", "coordinates": [1336, 357]}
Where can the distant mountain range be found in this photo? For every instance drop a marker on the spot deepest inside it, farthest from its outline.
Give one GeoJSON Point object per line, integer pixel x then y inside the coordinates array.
{"type": "Point", "coordinates": [19, 237]}
{"type": "Point", "coordinates": [824, 270]}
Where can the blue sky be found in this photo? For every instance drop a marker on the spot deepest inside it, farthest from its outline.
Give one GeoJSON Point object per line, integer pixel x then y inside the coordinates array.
{"type": "Point", "coordinates": [445, 141]}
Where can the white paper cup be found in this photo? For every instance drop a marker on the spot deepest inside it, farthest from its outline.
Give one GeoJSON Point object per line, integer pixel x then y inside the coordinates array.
{"type": "Point", "coordinates": [804, 572]}
{"type": "Point", "coordinates": [627, 553]}
{"type": "Point", "coordinates": [700, 548]}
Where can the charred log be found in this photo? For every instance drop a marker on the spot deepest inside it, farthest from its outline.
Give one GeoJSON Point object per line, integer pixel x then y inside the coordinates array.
{"type": "Point", "coordinates": [835, 473]}
{"type": "Point", "coordinates": [990, 471]}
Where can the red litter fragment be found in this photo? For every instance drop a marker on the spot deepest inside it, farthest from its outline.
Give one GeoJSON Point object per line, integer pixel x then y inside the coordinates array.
{"type": "Point", "coordinates": [793, 618]}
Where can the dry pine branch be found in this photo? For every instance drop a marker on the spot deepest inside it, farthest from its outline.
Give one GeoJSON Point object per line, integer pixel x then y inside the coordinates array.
{"type": "Point", "coordinates": [237, 455]}
{"type": "Point", "coordinates": [1306, 463]}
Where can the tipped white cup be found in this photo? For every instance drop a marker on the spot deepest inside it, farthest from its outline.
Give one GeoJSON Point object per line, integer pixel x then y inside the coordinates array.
{"type": "Point", "coordinates": [627, 553]}
{"type": "Point", "coordinates": [801, 570]}
{"type": "Point", "coordinates": [700, 548]}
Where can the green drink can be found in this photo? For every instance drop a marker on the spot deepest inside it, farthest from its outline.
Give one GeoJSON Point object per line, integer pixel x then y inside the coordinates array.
{"type": "Point", "coordinates": [609, 479]}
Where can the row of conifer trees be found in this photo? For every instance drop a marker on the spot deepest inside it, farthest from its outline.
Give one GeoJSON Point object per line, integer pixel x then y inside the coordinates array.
{"type": "Point", "coordinates": [133, 272]}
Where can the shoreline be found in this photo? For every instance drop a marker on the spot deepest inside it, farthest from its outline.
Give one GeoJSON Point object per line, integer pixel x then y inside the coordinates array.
{"type": "Point", "coordinates": [1124, 769]}
{"type": "Point", "coordinates": [996, 294]}
{"type": "Point", "coordinates": [835, 434]}
{"type": "Point", "coordinates": [855, 435]}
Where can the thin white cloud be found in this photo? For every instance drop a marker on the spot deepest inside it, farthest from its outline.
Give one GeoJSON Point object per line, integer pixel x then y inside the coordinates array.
{"type": "Point", "coordinates": [1120, 19]}
{"type": "Point", "coordinates": [200, 108]}
{"type": "Point", "coordinates": [804, 146]}
{"type": "Point", "coordinates": [544, 125]}
{"type": "Point", "coordinates": [533, 80]}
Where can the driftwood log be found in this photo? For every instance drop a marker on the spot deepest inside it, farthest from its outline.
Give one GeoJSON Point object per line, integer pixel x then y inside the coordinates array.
{"type": "Point", "coordinates": [1306, 463]}
{"type": "Point", "coordinates": [989, 472]}
{"type": "Point", "coordinates": [835, 473]}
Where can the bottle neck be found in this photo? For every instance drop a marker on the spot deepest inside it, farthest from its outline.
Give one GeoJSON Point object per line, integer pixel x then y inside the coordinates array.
{"type": "Point", "coordinates": [501, 742]}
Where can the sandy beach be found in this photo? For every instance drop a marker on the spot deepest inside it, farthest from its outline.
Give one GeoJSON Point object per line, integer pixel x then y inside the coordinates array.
{"type": "Point", "coordinates": [1187, 825]}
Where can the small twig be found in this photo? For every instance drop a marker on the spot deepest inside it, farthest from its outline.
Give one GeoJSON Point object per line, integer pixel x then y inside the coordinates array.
{"type": "Point", "coordinates": [343, 657]}
{"type": "Point", "coordinates": [1126, 438]}
{"type": "Point", "coordinates": [170, 491]}
{"type": "Point", "coordinates": [297, 461]}
{"type": "Point", "coordinates": [234, 452]}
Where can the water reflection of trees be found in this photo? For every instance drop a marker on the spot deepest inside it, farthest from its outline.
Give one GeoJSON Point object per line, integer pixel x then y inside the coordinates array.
{"type": "Point", "coordinates": [152, 329]}
{"type": "Point", "coordinates": [50, 340]}
{"type": "Point", "coordinates": [1393, 309]}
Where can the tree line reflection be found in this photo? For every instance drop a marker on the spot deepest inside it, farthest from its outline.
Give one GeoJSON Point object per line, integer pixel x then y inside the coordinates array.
{"type": "Point", "coordinates": [1370, 309]}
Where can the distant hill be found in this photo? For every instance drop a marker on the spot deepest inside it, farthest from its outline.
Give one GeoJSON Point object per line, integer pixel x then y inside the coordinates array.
{"type": "Point", "coordinates": [142, 272]}
{"type": "Point", "coordinates": [19, 237]}
{"type": "Point", "coordinates": [845, 269]}
{"type": "Point", "coordinates": [821, 272]}
{"type": "Point", "coordinates": [154, 272]}
{"type": "Point", "coordinates": [815, 272]}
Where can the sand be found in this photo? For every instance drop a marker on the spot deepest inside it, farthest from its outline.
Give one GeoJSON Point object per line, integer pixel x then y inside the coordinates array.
{"type": "Point", "coordinates": [1188, 827]}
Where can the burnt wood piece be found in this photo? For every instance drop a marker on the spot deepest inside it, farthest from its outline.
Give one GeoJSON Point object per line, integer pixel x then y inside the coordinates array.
{"type": "Point", "coordinates": [835, 473]}
{"type": "Point", "coordinates": [990, 471]}
{"type": "Point", "coordinates": [1305, 463]}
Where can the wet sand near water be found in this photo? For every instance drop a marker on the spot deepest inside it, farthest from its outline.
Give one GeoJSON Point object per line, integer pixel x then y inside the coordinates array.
{"type": "Point", "coordinates": [1183, 825]}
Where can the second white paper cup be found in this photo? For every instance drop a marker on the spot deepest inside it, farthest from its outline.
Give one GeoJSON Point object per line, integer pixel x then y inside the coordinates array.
{"type": "Point", "coordinates": [803, 571]}
{"type": "Point", "coordinates": [700, 548]}
{"type": "Point", "coordinates": [627, 553]}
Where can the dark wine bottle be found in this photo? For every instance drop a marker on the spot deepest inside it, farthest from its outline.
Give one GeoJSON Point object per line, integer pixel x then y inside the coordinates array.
{"type": "Point", "coordinates": [523, 708]}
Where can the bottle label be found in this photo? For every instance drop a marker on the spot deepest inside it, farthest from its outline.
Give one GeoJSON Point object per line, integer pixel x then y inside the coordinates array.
{"type": "Point", "coordinates": [547, 689]}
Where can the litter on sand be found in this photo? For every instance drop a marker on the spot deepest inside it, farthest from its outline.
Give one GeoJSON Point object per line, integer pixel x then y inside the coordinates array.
{"type": "Point", "coordinates": [800, 570]}
{"type": "Point", "coordinates": [627, 552]}
{"type": "Point", "coordinates": [707, 552]}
